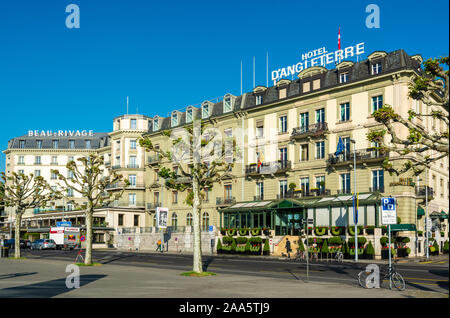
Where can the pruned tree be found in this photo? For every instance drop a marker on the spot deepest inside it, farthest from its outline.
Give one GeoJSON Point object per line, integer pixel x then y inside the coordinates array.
{"type": "Point", "coordinates": [200, 148]}
{"type": "Point", "coordinates": [426, 145]}
{"type": "Point", "coordinates": [22, 192]}
{"type": "Point", "coordinates": [88, 179]}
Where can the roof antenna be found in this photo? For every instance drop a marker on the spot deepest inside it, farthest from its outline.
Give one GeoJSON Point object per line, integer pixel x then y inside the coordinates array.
{"type": "Point", "coordinates": [127, 105]}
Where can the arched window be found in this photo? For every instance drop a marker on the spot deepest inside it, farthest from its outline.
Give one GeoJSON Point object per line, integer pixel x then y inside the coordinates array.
{"type": "Point", "coordinates": [174, 220]}
{"type": "Point", "coordinates": [189, 219]}
{"type": "Point", "coordinates": [205, 222]}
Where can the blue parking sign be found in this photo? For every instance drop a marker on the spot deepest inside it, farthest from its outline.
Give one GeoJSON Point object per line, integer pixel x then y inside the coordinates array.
{"type": "Point", "coordinates": [388, 211]}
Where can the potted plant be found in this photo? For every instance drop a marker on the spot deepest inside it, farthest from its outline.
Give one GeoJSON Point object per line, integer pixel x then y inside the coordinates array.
{"type": "Point", "coordinates": [321, 230]}
{"type": "Point", "coordinates": [256, 231]}
{"type": "Point", "coordinates": [266, 249]}
{"type": "Point", "coordinates": [337, 230]}
{"type": "Point", "coordinates": [370, 229]}
{"type": "Point", "coordinates": [219, 246]}
{"type": "Point", "coordinates": [370, 251]}
{"type": "Point", "coordinates": [445, 248]}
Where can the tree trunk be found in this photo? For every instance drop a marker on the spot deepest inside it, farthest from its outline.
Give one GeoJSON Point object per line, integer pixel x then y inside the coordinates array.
{"type": "Point", "coordinates": [17, 235]}
{"type": "Point", "coordinates": [197, 253]}
{"type": "Point", "coordinates": [88, 256]}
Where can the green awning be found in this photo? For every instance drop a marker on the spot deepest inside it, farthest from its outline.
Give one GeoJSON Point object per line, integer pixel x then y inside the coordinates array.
{"type": "Point", "coordinates": [420, 211]}
{"type": "Point", "coordinates": [444, 215]}
{"type": "Point", "coordinates": [403, 227]}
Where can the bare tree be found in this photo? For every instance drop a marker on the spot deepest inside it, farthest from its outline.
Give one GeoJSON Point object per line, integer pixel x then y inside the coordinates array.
{"type": "Point", "coordinates": [89, 181]}
{"type": "Point", "coordinates": [207, 158]}
{"type": "Point", "coordinates": [431, 88]}
{"type": "Point", "coordinates": [23, 192]}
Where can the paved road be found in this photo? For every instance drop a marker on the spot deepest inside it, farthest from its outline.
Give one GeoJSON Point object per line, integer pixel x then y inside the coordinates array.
{"type": "Point", "coordinates": [425, 277]}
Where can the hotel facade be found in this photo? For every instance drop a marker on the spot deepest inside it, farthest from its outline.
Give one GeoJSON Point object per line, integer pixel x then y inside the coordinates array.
{"type": "Point", "coordinates": [289, 133]}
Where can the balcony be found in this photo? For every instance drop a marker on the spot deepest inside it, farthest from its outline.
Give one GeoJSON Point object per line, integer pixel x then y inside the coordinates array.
{"type": "Point", "coordinates": [133, 166]}
{"type": "Point", "coordinates": [275, 167]}
{"type": "Point", "coordinates": [153, 160]}
{"type": "Point", "coordinates": [121, 185]}
{"type": "Point", "coordinates": [225, 201]}
{"type": "Point", "coordinates": [345, 191]}
{"type": "Point", "coordinates": [362, 155]}
{"type": "Point", "coordinates": [116, 167]}
{"type": "Point", "coordinates": [313, 130]}
{"type": "Point", "coordinates": [304, 194]}
{"type": "Point", "coordinates": [136, 204]}
{"type": "Point", "coordinates": [153, 206]}
{"type": "Point", "coordinates": [377, 189]}
{"type": "Point", "coordinates": [421, 191]}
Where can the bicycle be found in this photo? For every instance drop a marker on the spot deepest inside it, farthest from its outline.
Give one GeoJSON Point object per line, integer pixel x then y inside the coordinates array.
{"type": "Point", "coordinates": [339, 257]}
{"type": "Point", "coordinates": [299, 256]}
{"type": "Point", "coordinates": [314, 256]}
{"type": "Point", "coordinates": [392, 274]}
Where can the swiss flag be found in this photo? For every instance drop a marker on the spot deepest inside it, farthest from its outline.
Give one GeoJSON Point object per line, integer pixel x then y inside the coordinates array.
{"type": "Point", "coordinates": [339, 39]}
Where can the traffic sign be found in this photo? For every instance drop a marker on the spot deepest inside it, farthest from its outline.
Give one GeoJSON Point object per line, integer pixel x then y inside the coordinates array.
{"type": "Point", "coordinates": [82, 238]}
{"type": "Point", "coordinates": [64, 224]}
{"type": "Point", "coordinates": [428, 224]}
{"type": "Point", "coordinates": [388, 211]}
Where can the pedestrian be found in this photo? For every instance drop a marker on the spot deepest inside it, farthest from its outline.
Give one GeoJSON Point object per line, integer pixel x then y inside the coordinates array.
{"type": "Point", "coordinates": [159, 245]}
{"type": "Point", "coordinates": [288, 248]}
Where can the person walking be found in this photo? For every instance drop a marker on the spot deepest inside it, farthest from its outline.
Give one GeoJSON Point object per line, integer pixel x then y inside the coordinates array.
{"type": "Point", "coordinates": [288, 248]}
{"type": "Point", "coordinates": [159, 245]}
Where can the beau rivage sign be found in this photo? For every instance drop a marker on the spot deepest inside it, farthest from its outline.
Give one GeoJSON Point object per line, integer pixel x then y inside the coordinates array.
{"type": "Point", "coordinates": [319, 57]}
{"type": "Point", "coordinates": [60, 133]}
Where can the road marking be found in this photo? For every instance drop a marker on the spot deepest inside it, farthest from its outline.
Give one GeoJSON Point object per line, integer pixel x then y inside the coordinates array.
{"type": "Point", "coordinates": [436, 280]}
{"type": "Point", "coordinates": [423, 284]}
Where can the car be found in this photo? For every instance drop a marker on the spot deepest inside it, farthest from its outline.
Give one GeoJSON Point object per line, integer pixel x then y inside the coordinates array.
{"type": "Point", "coordinates": [43, 244]}
{"type": "Point", "coordinates": [11, 243]}
{"type": "Point", "coordinates": [25, 244]}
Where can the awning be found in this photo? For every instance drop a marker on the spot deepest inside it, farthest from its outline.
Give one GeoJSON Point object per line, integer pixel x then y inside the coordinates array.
{"type": "Point", "coordinates": [262, 205]}
{"type": "Point", "coordinates": [420, 211]}
{"type": "Point", "coordinates": [403, 227]}
{"type": "Point", "coordinates": [444, 215]}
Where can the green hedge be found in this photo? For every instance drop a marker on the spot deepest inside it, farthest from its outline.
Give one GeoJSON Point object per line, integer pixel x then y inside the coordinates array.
{"type": "Point", "coordinates": [361, 241]}
{"type": "Point", "coordinates": [256, 231]}
{"type": "Point", "coordinates": [401, 239]}
{"type": "Point", "coordinates": [241, 240]}
{"type": "Point", "coordinates": [301, 246]}
{"type": "Point", "coordinates": [445, 248]}
{"type": "Point", "coordinates": [352, 251]}
{"type": "Point", "coordinates": [337, 240]}
{"type": "Point", "coordinates": [369, 249]}
{"type": "Point", "coordinates": [255, 240]}
{"type": "Point", "coordinates": [231, 232]}
{"type": "Point", "coordinates": [351, 230]}
{"type": "Point", "coordinates": [325, 247]}
{"type": "Point", "coordinates": [266, 247]}
{"type": "Point", "coordinates": [243, 231]}
{"type": "Point", "coordinates": [321, 230]}
{"type": "Point", "coordinates": [227, 240]}
{"type": "Point", "coordinates": [318, 240]}
{"type": "Point", "coordinates": [337, 230]}
{"type": "Point", "coordinates": [219, 246]}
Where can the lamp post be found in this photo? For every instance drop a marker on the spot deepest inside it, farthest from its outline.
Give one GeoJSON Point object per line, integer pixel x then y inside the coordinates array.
{"type": "Point", "coordinates": [355, 215]}
{"type": "Point", "coordinates": [426, 215]}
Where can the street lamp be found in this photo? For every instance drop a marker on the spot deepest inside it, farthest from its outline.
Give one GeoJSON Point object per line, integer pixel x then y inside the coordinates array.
{"type": "Point", "coordinates": [355, 215]}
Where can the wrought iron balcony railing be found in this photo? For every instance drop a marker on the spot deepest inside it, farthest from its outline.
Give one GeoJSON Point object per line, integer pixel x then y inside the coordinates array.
{"type": "Point", "coordinates": [310, 130]}
{"type": "Point", "coordinates": [154, 205]}
{"type": "Point", "coordinates": [279, 166]}
{"type": "Point", "coordinates": [225, 201]}
{"type": "Point", "coordinates": [362, 155]}
{"type": "Point", "coordinates": [422, 191]}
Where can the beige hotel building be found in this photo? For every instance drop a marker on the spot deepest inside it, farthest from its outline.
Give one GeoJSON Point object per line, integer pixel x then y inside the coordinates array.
{"type": "Point", "coordinates": [293, 128]}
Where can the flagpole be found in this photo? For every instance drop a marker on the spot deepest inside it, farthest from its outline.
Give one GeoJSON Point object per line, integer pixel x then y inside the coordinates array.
{"type": "Point", "coordinates": [355, 211]}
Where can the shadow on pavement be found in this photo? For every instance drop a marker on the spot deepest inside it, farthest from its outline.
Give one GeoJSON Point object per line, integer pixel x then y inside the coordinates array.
{"type": "Point", "coordinates": [6, 276]}
{"type": "Point", "coordinates": [207, 262]}
{"type": "Point", "coordinates": [46, 289]}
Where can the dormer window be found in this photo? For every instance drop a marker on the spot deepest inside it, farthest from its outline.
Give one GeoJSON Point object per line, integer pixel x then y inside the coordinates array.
{"type": "Point", "coordinates": [376, 68]}
{"type": "Point", "coordinates": [156, 124]}
{"type": "Point", "coordinates": [21, 144]}
{"type": "Point", "coordinates": [174, 121]}
{"type": "Point", "coordinates": [227, 103]}
{"type": "Point", "coordinates": [343, 77]}
{"type": "Point", "coordinates": [132, 123]}
{"type": "Point", "coordinates": [189, 115]}
{"type": "Point", "coordinates": [39, 144]}
{"type": "Point", "coordinates": [205, 110]}
{"type": "Point", "coordinates": [259, 99]}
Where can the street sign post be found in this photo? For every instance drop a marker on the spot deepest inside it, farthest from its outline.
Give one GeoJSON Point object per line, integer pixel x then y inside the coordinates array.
{"type": "Point", "coordinates": [162, 215]}
{"type": "Point", "coordinates": [388, 217]}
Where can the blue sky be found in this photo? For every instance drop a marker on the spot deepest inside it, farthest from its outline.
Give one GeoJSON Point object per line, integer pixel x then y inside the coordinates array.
{"type": "Point", "coordinates": [168, 55]}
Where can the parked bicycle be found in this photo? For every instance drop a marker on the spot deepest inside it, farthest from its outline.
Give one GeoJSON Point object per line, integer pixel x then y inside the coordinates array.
{"type": "Point", "coordinates": [390, 274]}
{"type": "Point", "coordinates": [300, 256]}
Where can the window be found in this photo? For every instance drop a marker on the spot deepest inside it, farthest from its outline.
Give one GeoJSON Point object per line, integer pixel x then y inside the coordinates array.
{"type": "Point", "coordinates": [282, 93]}
{"type": "Point", "coordinates": [378, 180]}
{"type": "Point", "coordinates": [320, 182]}
{"type": "Point", "coordinates": [345, 183]}
{"type": "Point", "coordinates": [54, 176]}
{"type": "Point", "coordinates": [156, 124]}
{"type": "Point", "coordinates": [320, 150]}
{"type": "Point", "coordinates": [132, 199]}
{"type": "Point", "coordinates": [282, 128]}
{"type": "Point", "coordinates": [343, 77]}
{"type": "Point", "coordinates": [54, 160]}
{"type": "Point", "coordinates": [316, 84]}
{"type": "Point", "coordinates": [120, 219]}
{"type": "Point", "coordinates": [21, 160]}
{"type": "Point", "coordinates": [156, 198]}
{"type": "Point", "coordinates": [174, 220]}
{"type": "Point", "coordinates": [189, 219]}
{"type": "Point", "coordinates": [133, 124]}
{"type": "Point", "coordinates": [205, 221]}
{"type": "Point", "coordinates": [72, 144]}
{"type": "Point", "coordinates": [39, 144]}
{"type": "Point", "coordinates": [441, 187]}
{"type": "Point", "coordinates": [133, 144]}
{"type": "Point", "coordinates": [259, 99]}
{"type": "Point", "coordinates": [377, 102]}
{"type": "Point", "coordinates": [69, 174]}
{"type": "Point", "coordinates": [69, 192]}
{"type": "Point", "coordinates": [70, 158]}
{"type": "Point", "coordinates": [306, 87]}
{"type": "Point", "coordinates": [55, 144]}
{"type": "Point", "coordinates": [227, 104]}
{"type": "Point", "coordinates": [37, 173]}
{"type": "Point", "coordinates": [37, 160]}
{"type": "Point", "coordinates": [376, 68]}
{"type": "Point", "coordinates": [304, 185]}
{"type": "Point", "coordinates": [283, 154]}
{"type": "Point", "coordinates": [132, 180]}
{"type": "Point", "coordinates": [320, 115]}
{"type": "Point", "coordinates": [346, 142]}
{"type": "Point", "coordinates": [136, 220]}
{"type": "Point", "coordinates": [283, 188]}
{"type": "Point", "coordinates": [228, 191]}
{"type": "Point", "coordinates": [345, 111]}
{"type": "Point", "coordinates": [174, 121]}
{"type": "Point", "coordinates": [259, 129]}
{"type": "Point", "coordinates": [133, 163]}
{"type": "Point", "coordinates": [304, 155]}
{"type": "Point", "coordinates": [189, 114]}
{"type": "Point", "coordinates": [260, 190]}
{"type": "Point", "coordinates": [88, 144]}
{"type": "Point", "coordinates": [304, 122]}
{"type": "Point", "coordinates": [21, 171]}
{"type": "Point", "coordinates": [21, 144]}
{"type": "Point", "coordinates": [205, 110]}
{"type": "Point", "coordinates": [174, 197]}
